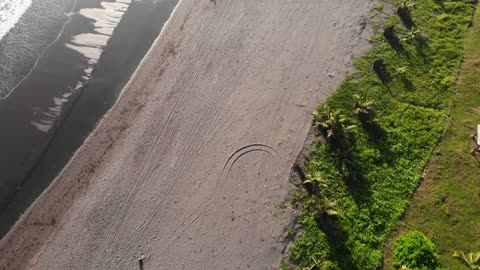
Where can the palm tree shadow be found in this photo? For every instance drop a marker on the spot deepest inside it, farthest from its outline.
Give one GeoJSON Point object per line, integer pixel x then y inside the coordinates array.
{"type": "Point", "coordinates": [421, 46]}
{"type": "Point", "coordinates": [377, 137]}
{"type": "Point", "coordinates": [407, 83]}
{"type": "Point", "coordinates": [358, 185]}
{"type": "Point", "coordinates": [337, 239]}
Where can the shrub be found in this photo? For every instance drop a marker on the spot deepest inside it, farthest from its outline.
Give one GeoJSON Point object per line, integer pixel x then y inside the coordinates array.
{"type": "Point", "coordinates": [378, 7]}
{"type": "Point", "coordinates": [312, 246]}
{"type": "Point", "coordinates": [415, 251]}
{"type": "Point", "coordinates": [338, 130]}
{"type": "Point", "coordinates": [365, 110]}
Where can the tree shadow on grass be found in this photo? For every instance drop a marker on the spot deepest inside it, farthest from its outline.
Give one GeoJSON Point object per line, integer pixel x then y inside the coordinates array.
{"type": "Point", "coordinates": [441, 4]}
{"type": "Point", "coordinates": [407, 83]}
{"type": "Point", "coordinates": [377, 137]}
{"type": "Point", "coordinates": [421, 46]}
{"type": "Point", "coordinates": [336, 239]}
{"type": "Point", "coordinates": [359, 186]}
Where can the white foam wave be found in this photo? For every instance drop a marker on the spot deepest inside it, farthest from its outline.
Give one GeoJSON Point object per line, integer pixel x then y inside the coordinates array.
{"type": "Point", "coordinates": [105, 20]}
{"type": "Point", "coordinates": [91, 46]}
{"type": "Point", "coordinates": [10, 13]}
{"type": "Point", "coordinates": [91, 40]}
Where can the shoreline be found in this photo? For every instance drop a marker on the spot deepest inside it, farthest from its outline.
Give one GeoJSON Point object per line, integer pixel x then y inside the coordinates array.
{"type": "Point", "coordinates": [80, 114]}
{"type": "Point", "coordinates": [151, 173]}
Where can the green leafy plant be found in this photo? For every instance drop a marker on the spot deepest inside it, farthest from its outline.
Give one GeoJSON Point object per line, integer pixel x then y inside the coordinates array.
{"type": "Point", "coordinates": [365, 110]}
{"type": "Point", "coordinates": [406, 4]}
{"type": "Point", "coordinates": [316, 180]}
{"type": "Point", "coordinates": [324, 209]}
{"type": "Point", "coordinates": [471, 259]}
{"type": "Point", "coordinates": [401, 70]}
{"type": "Point", "coordinates": [313, 243]}
{"type": "Point", "coordinates": [321, 265]}
{"type": "Point", "coordinates": [338, 130]}
{"type": "Point", "coordinates": [378, 7]}
{"type": "Point", "coordinates": [416, 251]}
{"type": "Point", "coordinates": [411, 35]}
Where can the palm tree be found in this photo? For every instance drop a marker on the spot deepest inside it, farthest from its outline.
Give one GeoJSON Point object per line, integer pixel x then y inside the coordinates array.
{"type": "Point", "coordinates": [336, 128]}
{"type": "Point", "coordinates": [400, 71]}
{"type": "Point", "coordinates": [324, 209]}
{"type": "Point", "coordinates": [334, 123]}
{"type": "Point", "coordinates": [412, 35]}
{"type": "Point", "coordinates": [407, 4]}
{"type": "Point", "coordinates": [365, 110]}
{"type": "Point", "coordinates": [319, 119]}
{"type": "Point", "coordinates": [471, 259]}
{"type": "Point", "coordinates": [316, 181]}
{"type": "Point", "coordinates": [314, 266]}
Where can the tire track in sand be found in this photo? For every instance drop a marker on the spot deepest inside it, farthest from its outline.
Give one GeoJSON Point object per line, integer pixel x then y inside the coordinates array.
{"type": "Point", "coordinates": [222, 179]}
{"type": "Point", "coordinates": [193, 77]}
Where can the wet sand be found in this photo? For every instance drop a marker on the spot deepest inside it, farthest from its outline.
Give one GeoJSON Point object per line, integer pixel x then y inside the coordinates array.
{"type": "Point", "coordinates": [192, 161]}
{"type": "Point", "coordinates": [31, 158]}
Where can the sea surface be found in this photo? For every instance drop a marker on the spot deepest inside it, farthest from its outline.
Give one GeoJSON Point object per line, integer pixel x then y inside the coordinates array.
{"type": "Point", "coordinates": [63, 63]}
{"type": "Point", "coordinates": [10, 13]}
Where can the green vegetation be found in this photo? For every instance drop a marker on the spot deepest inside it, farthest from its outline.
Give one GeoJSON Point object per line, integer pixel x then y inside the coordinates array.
{"type": "Point", "coordinates": [336, 127]}
{"type": "Point", "coordinates": [365, 111]}
{"type": "Point", "coordinates": [378, 7]}
{"type": "Point", "coordinates": [445, 207]}
{"type": "Point", "coordinates": [472, 260]}
{"type": "Point", "coordinates": [415, 251]}
{"type": "Point", "coordinates": [370, 169]}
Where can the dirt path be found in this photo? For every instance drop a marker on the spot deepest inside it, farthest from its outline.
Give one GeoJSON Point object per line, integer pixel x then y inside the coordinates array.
{"type": "Point", "coordinates": [190, 165]}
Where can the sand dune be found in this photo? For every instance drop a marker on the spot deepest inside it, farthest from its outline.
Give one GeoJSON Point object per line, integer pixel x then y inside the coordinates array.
{"type": "Point", "coordinates": [190, 165]}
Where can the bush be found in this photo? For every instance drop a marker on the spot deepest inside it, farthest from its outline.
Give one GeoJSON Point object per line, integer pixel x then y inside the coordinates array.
{"type": "Point", "coordinates": [311, 246]}
{"type": "Point", "coordinates": [415, 251]}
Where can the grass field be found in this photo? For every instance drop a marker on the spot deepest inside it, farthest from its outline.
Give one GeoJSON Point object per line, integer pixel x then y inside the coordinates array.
{"type": "Point", "coordinates": [357, 197]}
{"type": "Point", "coordinates": [446, 206]}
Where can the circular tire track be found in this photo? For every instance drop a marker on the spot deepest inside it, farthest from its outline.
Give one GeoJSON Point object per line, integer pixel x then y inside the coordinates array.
{"type": "Point", "coordinates": [242, 152]}
{"type": "Point", "coordinates": [229, 164]}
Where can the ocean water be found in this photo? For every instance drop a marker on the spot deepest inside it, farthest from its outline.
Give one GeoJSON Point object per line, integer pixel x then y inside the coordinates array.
{"type": "Point", "coordinates": [10, 13]}
{"type": "Point", "coordinates": [27, 28]}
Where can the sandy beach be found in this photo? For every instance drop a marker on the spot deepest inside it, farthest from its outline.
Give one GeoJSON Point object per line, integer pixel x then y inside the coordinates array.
{"type": "Point", "coordinates": [191, 164]}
